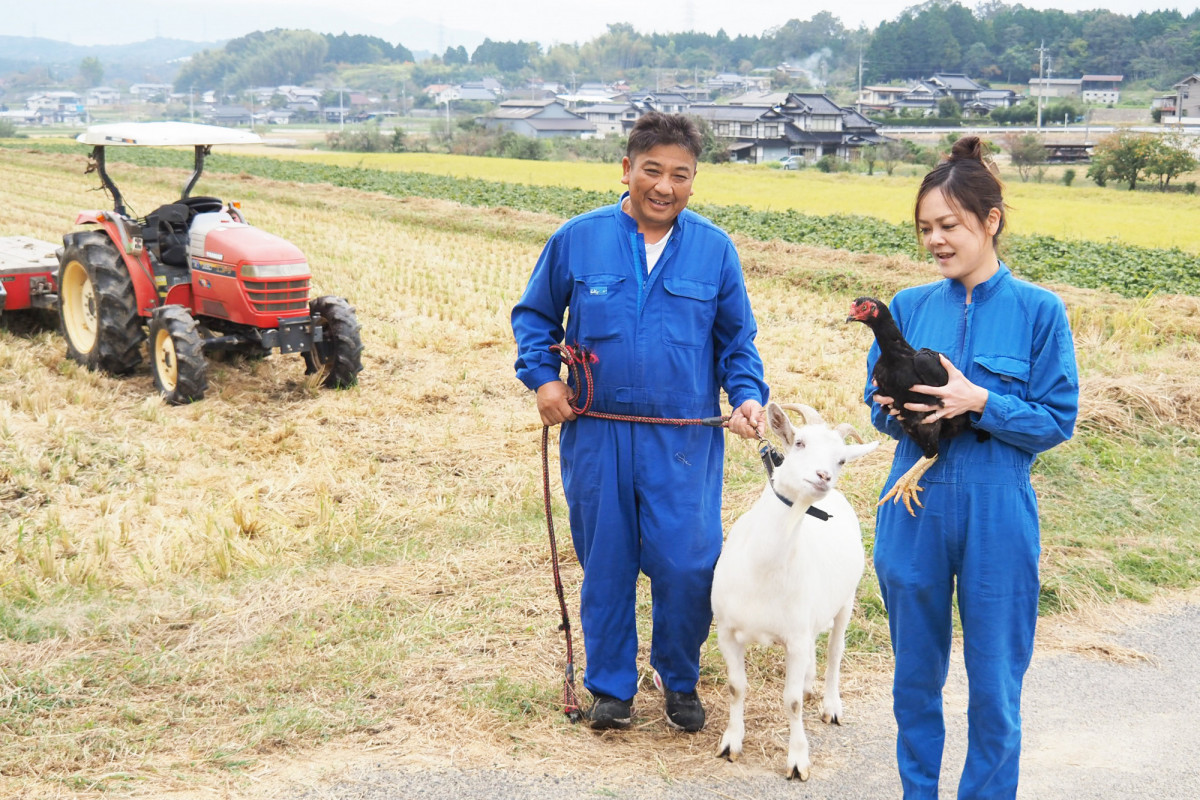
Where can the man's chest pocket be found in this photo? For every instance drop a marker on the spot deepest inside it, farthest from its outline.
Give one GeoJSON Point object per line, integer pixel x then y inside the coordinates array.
{"type": "Point", "coordinates": [1006, 375]}
{"type": "Point", "coordinates": [688, 312]}
{"type": "Point", "coordinates": [599, 304]}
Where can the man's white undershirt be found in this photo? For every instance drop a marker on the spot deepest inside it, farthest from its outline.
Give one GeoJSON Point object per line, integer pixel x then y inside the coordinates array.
{"type": "Point", "coordinates": [655, 251]}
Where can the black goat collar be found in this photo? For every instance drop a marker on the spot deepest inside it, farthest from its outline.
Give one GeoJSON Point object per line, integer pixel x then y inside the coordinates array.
{"type": "Point", "coordinates": [771, 459]}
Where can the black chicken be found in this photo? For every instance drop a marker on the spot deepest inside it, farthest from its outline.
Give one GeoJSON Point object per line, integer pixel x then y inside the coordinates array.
{"type": "Point", "coordinates": [899, 368]}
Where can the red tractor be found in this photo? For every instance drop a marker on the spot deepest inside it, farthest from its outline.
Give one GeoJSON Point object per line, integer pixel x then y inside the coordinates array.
{"type": "Point", "coordinates": [196, 277]}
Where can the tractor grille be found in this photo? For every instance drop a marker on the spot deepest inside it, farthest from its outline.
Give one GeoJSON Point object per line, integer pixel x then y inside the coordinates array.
{"type": "Point", "coordinates": [271, 297]}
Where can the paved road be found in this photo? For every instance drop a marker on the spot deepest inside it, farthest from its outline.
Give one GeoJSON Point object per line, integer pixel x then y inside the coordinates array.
{"type": "Point", "coordinates": [1095, 728]}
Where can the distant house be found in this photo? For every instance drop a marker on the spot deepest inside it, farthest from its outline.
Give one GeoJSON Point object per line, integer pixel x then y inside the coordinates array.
{"type": "Point", "coordinates": [757, 134]}
{"type": "Point", "coordinates": [56, 107]}
{"type": "Point", "coordinates": [880, 98]}
{"type": "Point", "coordinates": [337, 113]}
{"type": "Point", "coordinates": [922, 96]}
{"type": "Point", "coordinates": [20, 116]}
{"type": "Point", "coordinates": [695, 94]}
{"type": "Point", "coordinates": [594, 89]}
{"type": "Point", "coordinates": [472, 91]}
{"type": "Point", "coordinates": [103, 96]}
{"type": "Point", "coordinates": [307, 108]}
{"type": "Point", "coordinates": [539, 119]}
{"type": "Point", "coordinates": [1164, 104]}
{"type": "Point", "coordinates": [610, 119]}
{"type": "Point", "coordinates": [590, 92]}
{"type": "Point", "coordinates": [666, 102]}
{"type": "Point", "coordinates": [54, 101]}
{"type": "Point", "coordinates": [274, 116]}
{"type": "Point", "coordinates": [957, 85]}
{"type": "Point", "coordinates": [1055, 87]}
{"type": "Point", "coordinates": [768, 126]}
{"type": "Point", "coordinates": [227, 115]}
{"type": "Point", "coordinates": [730, 82]}
{"type": "Point", "coordinates": [1101, 88]}
{"type": "Point", "coordinates": [301, 94]}
{"type": "Point", "coordinates": [1187, 101]}
{"type": "Point", "coordinates": [998, 98]}
{"type": "Point", "coordinates": [150, 92]}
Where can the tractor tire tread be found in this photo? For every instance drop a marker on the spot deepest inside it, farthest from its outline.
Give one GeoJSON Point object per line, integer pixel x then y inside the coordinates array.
{"type": "Point", "coordinates": [118, 348]}
{"type": "Point", "coordinates": [344, 335]}
{"type": "Point", "coordinates": [191, 367]}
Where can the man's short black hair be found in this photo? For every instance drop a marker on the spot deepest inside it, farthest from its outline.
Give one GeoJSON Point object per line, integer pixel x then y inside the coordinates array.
{"type": "Point", "coordinates": [654, 128]}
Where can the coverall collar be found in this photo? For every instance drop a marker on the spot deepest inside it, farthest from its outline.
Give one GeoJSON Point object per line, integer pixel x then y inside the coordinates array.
{"type": "Point", "coordinates": [629, 224]}
{"type": "Point", "coordinates": [983, 291]}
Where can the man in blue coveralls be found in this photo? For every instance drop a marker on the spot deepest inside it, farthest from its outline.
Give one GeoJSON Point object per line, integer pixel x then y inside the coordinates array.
{"type": "Point", "coordinates": [656, 294]}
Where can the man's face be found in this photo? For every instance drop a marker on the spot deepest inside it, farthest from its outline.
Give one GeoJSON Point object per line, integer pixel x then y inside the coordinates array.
{"type": "Point", "coordinates": [660, 183]}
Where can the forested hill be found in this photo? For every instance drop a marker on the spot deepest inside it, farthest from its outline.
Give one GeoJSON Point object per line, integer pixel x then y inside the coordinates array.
{"type": "Point", "coordinates": [995, 42]}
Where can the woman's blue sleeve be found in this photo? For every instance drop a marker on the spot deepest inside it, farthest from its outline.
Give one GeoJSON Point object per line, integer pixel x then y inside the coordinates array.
{"type": "Point", "coordinates": [1046, 417]}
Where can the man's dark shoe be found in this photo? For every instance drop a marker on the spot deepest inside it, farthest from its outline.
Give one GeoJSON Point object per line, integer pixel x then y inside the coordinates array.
{"type": "Point", "coordinates": [608, 713]}
{"type": "Point", "coordinates": [684, 712]}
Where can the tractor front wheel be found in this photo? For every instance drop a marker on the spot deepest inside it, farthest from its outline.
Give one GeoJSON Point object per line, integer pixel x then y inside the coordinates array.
{"type": "Point", "coordinates": [97, 305]}
{"type": "Point", "coordinates": [338, 356]}
{"type": "Point", "coordinates": [177, 355]}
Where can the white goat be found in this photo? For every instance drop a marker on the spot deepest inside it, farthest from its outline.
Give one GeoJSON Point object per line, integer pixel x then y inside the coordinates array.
{"type": "Point", "coordinates": [785, 576]}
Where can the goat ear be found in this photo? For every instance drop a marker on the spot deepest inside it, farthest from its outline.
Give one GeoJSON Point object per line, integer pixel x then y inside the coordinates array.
{"type": "Point", "coordinates": [777, 418]}
{"type": "Point", "coordinates": [854, 451]}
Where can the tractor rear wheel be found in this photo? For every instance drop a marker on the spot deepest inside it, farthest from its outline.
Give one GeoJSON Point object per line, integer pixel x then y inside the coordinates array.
{"type": "Point", "coordinates": [338, 356]}
{"type": "Point", "coordinates": [177, 355]}
{"type": "Point", "coordinates": [97, 305]}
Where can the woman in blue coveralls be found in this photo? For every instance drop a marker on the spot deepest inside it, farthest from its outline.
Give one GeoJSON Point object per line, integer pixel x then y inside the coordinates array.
{"type": "Point", "coordinates": [1008, 349]}
{"type": "Point", "coordinates": [656, 294]}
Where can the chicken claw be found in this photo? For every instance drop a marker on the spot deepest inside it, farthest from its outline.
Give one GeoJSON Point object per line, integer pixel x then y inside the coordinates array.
{"type": "Point", "coordinates": [906, 486]}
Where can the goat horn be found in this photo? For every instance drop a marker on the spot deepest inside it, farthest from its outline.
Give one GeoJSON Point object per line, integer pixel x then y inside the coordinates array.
{"type": "Point", "coordinates": [846, 429]}
{"type": "Point", "coordinates": [811, 417]}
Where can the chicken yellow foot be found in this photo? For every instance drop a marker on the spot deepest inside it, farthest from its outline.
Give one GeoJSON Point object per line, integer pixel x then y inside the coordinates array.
{"type": "Point", "coordinates": [905, 488]}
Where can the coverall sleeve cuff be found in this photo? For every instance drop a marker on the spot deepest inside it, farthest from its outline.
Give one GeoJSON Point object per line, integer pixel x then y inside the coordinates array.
{"type": "Point", "coordinates": [539, 377]}
{"type": "Point", "coordinates": [993, 415]}
{"type": "Point", "coordinates": [736, 401]}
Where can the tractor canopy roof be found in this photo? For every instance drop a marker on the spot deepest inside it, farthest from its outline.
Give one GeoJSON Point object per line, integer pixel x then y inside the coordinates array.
{"type": "Point", "coordinates": [164, 134]}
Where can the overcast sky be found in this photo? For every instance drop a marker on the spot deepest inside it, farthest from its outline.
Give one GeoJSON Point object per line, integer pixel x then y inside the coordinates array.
{"type": "Point", "coordinates": [434, 25]}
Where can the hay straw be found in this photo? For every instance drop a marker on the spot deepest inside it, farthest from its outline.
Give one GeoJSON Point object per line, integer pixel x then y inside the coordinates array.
{"type": "Point", "coordinates": [281, 575]}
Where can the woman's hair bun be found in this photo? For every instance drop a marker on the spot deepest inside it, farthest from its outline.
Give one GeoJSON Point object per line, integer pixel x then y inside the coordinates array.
{"type": "Point", "coordinates": [968, 148]}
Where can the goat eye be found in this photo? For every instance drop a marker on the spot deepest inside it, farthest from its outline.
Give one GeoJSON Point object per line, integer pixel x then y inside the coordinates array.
{"type": "Point", "coordinates": [842, 463]}
{"type": "Point", "coordinates": [799, 444]}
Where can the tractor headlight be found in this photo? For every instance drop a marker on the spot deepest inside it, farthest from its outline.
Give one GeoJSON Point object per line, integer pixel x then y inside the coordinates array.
{"type": "Point", "coordinates": [274, 270]}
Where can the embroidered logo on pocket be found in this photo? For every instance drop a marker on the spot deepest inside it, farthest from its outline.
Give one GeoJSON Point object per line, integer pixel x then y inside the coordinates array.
{"type": "Point", "coordinates": [595, 290]}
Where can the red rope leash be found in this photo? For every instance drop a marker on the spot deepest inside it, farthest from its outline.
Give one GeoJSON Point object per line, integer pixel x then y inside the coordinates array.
{"type": "Point", "coordinates": [579, 360]}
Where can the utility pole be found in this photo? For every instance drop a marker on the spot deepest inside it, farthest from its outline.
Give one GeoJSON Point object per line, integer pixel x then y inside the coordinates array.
{"type": "Point", "coordinates": [1041, 83]}
{"type": "Point", "coordinates": [860, 66]}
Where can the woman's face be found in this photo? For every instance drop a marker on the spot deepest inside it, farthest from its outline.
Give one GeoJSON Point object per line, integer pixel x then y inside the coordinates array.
{"type": "Point", "coordinates": [960, 242]}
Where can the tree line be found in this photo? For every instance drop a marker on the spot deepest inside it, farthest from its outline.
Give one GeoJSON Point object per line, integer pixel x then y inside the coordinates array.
{"type": "Point", "coordinates": [994, 42]}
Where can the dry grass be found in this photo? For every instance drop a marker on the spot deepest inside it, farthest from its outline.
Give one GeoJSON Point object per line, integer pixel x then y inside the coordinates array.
{"type": "Point", "coordinates": [201, 596]}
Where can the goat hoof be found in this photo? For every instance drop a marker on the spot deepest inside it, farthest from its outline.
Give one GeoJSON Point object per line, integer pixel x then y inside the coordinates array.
{"type": "Point", "coordinates": [796, 772]}
{"type": "Point", "coordinates": [728, 754]}
{"type": "Point", "coordinates": [831, 719]}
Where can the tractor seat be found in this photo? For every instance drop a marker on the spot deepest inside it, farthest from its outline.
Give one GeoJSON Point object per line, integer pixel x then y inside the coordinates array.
{"type": "Point", "coordinates": [166, 233]}
{"type": "Point", "coordinates": [202, 205]}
